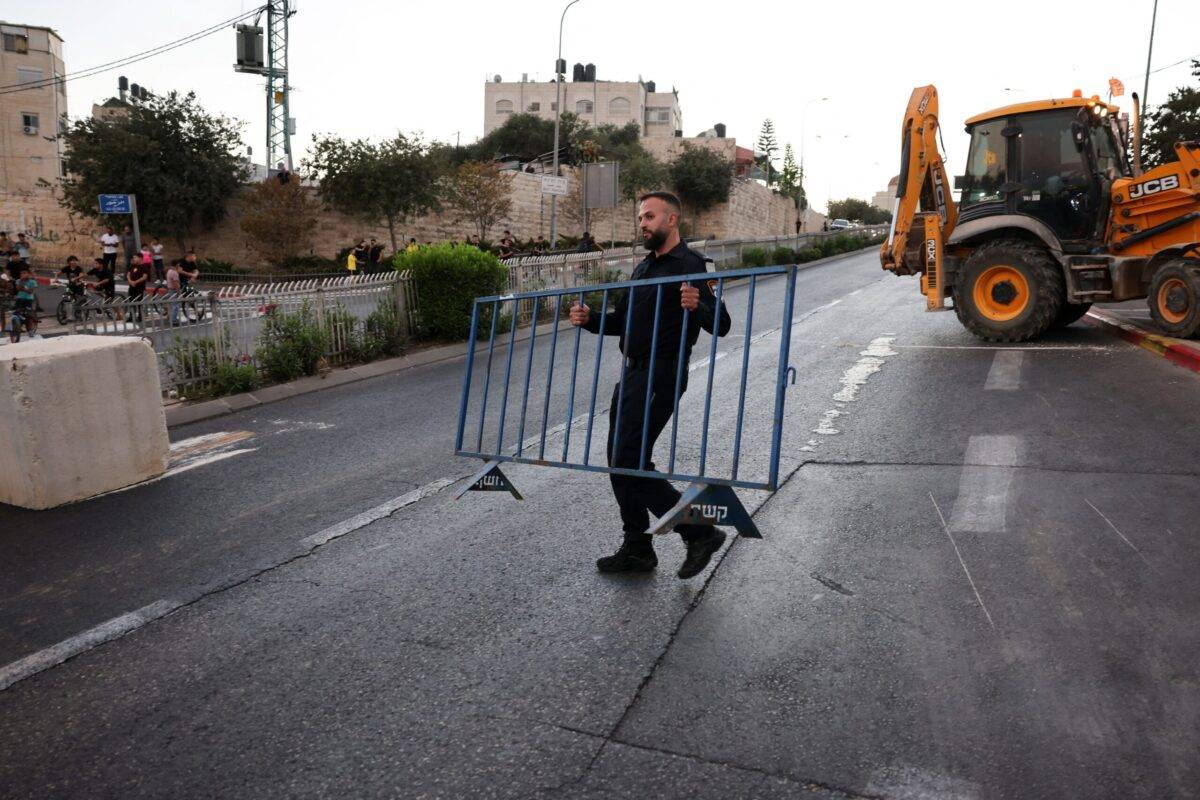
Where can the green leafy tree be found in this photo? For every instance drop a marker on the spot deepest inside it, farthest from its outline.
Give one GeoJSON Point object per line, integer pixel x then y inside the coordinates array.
{"type": "Point", "coordinates": [767, 146]}
{"type": "Point", "coordinates": [482, 193]}
{"type": "Point", "coordinates": [180, 161]}
{"type": "Point", "coordinates": [389, 181]}
{"type": "Point", "coordinates": [1176, 120]}
{"type": "Point", "coordinates": [527, 137]}
{"type": "Point", "coordinates": [701, 177]}
{"type": "Point", "coordinates": [279, 219]}
{"type": "Point", "coordinates": [858, 210]}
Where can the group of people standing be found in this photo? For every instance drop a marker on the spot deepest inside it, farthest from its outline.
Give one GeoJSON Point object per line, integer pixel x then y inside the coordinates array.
{"type": "Point", "coordinates": [365, 257]}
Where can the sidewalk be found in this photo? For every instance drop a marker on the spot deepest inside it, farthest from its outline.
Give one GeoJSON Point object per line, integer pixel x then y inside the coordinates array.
{"type": "Point", "coordinates": [1131, 321]}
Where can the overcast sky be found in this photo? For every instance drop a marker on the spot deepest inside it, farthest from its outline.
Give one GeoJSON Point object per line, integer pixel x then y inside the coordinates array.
{"type": "Point", "coordinates": [363, 68]}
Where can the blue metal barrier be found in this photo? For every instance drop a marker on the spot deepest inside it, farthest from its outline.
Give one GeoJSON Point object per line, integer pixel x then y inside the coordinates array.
{"type": "Point", "coordinates": [710, 498]}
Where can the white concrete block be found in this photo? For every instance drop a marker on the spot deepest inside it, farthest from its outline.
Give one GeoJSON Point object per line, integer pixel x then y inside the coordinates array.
{"type": "Point", "coordinates": [79, 416]}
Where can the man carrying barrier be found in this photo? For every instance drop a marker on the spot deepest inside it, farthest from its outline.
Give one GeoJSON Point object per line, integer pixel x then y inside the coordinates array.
{"type": "Point", "coordinates": [658, 314]}
{"type": "Point", "coordinates": [637, 497]}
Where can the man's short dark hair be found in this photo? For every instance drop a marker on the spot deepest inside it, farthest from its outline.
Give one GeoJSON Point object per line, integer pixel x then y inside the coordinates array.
{"type": "Point", "coordinates": [666, 197]}
{"type": "Point", "coordinates": [72, 258]}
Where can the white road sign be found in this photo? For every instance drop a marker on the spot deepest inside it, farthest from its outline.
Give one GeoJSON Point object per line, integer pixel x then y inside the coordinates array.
{"type": "Point", "coordinates": [552, 184]}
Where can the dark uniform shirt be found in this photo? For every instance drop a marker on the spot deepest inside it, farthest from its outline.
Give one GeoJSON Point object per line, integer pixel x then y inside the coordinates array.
{"type": "Point", "coordinates": [679, 260]}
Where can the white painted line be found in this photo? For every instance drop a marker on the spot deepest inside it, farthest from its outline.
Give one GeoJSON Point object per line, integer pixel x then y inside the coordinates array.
{"type": "Point", "coordinates": [1115, 530]}
{"type": "Point", "coordinates": [1005, 374]}
{"type": "Point", "coordinates": [854, 378]}
{"type": "Point", "coordinates": [958, 553]}
{"type": "Point", "coordinates": [984, 483]}
{"type": "Point", "coordinates": [104, 632]}
{"type": "Point", "coordinates": [190, 464]}
{"type": "Point", "coordinates": [377, 513]}
{"type": "Point", "coordinates": [1007, 347]}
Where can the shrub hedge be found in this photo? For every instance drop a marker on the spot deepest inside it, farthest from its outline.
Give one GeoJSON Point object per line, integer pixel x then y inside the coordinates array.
{"type": "Point", "coordinates": [448, 278]}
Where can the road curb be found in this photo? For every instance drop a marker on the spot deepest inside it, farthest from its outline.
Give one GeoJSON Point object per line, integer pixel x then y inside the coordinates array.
{"type": "Point", "coordinates": [187, 413]}
{"type": "Point", "coordinates": [1176, 351]}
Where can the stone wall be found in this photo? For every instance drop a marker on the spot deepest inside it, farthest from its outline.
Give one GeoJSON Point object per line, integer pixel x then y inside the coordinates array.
{"type": "Point", "coordinates": [751, 211]}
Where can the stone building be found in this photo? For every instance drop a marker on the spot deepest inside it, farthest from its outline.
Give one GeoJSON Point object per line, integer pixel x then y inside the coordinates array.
{"type": "Point", "coordinates": [885, 199]}
{"type": "Point", "coordinates": [594, 101]}
{"type": "Point", "coordinates": [32, 118]}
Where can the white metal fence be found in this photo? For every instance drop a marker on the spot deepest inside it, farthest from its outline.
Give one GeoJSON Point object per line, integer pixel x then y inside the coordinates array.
{"type": "Point", "coordinates": [195, 333]}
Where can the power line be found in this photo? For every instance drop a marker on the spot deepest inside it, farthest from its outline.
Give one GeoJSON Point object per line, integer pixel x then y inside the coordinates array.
{"type": "Point", "coordinates": [127, 60]}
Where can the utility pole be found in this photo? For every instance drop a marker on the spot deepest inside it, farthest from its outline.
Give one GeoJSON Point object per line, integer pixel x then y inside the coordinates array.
{"type": "Point", "coordinates": [1149, 50]}
{"type": "Point", "coordinates": [279, 140]}
{"type": "Point", "coordinates": [274, 67]}
{"type": "Point", "coordinates": [560, 68]}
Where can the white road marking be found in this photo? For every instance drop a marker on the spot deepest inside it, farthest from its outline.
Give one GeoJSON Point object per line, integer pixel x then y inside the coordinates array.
{"type": "Point", "coordinates": [854, 378]}
{"type": "Point", "coordinates": [983, 485]}
{"type": "Point", "coordinates": [378, 512]}
{"type": "Point", "coordinates": [958, 553]}
{"type": "Point", "coordinates": [1115, 530]}
{"type": "Point", "coordinates": [127, 623]}
{"type": "Point", "coordinates": [210, 458]}
{"type": "Point", "coordinates": [82, 642]}
{"type": "Point", "coordinates": [1005, 374]}
{"type": "Point", "coordinates": [995, 347]}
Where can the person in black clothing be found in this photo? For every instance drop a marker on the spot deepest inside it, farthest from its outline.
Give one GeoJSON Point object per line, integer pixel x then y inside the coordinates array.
{"type": "Point", "coordinates": [106, 281]}
{"type": "Point", "coordinates": [587, 244]}
{"type": "Point", "coordinates": [136, 277]}
{"type": "Point", "coordinates": [361, 257]}
{"type": "Point", "coordinates": [73, 274]}
{"type": "Point", "coordinates": [638, 497]}
{"type": "Point", "coordinates": [374, 255]}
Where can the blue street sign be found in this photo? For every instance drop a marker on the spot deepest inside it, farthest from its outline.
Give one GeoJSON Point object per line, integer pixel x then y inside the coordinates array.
{"type": "Point", "coordinates": [116, 204]}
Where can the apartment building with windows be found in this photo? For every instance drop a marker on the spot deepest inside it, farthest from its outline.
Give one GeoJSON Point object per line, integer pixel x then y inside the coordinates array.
{"type": "Point", "coordinates": [594, 101]}
{"type": "Point", "coordinates": [32, 118]}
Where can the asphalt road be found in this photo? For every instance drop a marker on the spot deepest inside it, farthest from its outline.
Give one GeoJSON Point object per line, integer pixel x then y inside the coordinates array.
{"type": "Point", "coordinates": [976, 581]}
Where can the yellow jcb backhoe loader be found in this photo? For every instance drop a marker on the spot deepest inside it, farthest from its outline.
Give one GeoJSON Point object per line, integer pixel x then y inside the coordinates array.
{"type": "Point", "coordinates": [1051, 217]}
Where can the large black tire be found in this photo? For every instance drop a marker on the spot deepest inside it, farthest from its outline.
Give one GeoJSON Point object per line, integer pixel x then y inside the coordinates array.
{"type": "Point", "coordinates": [1174, 297]}
{"type": "Point", "coordinates": [1069, 313]}
{"type": "Point", "coordinates": [1009, 291]}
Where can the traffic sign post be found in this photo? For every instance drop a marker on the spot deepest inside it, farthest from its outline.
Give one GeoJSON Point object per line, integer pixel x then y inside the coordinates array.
{"type": "Point", "coordinates": [555, 185]}
{"type": "Point", "coordinates": [123, 204]}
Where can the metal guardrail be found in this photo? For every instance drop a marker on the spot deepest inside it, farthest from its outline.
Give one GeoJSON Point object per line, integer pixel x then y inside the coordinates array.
{"type": "Point", "coordinates": [195, 332]}
{"type": "Point", "coordinates": [710, 498]}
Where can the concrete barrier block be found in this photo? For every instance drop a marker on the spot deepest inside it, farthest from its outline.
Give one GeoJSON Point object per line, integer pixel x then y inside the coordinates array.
{"type": "Point", "coordinates": [79, 416]}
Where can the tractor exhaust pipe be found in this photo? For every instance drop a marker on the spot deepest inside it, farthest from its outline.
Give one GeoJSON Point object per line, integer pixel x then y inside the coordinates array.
{"type": "Point", "coordinates": [1137, 136]}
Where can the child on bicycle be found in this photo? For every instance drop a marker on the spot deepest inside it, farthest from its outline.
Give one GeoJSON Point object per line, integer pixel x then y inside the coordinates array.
{"type": "Point", "coordinates": [26, 300]}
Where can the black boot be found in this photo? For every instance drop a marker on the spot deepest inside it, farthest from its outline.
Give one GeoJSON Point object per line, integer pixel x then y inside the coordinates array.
{"type": "Point", "coordinates": [700, 552]}
{"type": "Point", "coordinates": [636, 554]}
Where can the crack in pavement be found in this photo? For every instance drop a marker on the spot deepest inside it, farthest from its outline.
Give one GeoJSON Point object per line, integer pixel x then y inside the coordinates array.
{"type": "Point", "coordinates": [807, 783]}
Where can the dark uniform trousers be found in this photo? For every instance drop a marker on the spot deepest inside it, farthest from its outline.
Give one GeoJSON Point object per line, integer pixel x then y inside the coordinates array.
{"type": "Point", "coordinates": [639, 497]}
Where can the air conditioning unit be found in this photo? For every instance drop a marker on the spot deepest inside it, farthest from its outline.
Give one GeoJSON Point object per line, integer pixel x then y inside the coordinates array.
{"type": "Point", "coordinates": [29, 129]}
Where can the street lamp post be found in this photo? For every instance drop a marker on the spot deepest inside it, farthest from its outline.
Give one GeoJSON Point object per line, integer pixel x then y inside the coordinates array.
{"type": "Point", "coordinates": [558, 76]}
{"type": "Point", "coordinates": [1149, 51]}
{"type": "Point", "coordinates": [803, 120]}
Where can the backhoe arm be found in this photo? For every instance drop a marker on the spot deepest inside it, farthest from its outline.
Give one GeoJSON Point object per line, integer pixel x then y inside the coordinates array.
{"type": "Point", "coordinates": [922, 187]}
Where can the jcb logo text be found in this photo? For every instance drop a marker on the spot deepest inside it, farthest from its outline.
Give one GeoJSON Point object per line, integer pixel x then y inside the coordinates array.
{"type": "Point", "coordinates": [1153, 187]}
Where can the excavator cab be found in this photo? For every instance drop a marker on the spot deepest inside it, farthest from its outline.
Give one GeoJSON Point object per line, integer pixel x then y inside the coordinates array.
{"type": "Point", "coordinates": [1054, 164]}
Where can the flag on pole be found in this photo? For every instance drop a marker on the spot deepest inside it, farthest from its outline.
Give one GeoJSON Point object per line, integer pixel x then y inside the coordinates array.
{"type": "Point", "coordinates": [1115, 87]}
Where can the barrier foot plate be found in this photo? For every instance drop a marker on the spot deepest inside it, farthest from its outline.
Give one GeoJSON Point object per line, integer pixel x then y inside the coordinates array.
{"type": "Point", "coordinates": [709, 504]}
{"type": "Point", "coordinates": [489, 479]}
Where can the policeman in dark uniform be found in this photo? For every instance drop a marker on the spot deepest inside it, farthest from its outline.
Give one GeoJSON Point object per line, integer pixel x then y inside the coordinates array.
{"type": "Point", "coordinates": [637, 498]}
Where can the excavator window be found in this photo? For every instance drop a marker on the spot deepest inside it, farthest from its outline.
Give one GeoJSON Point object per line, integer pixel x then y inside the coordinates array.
{"type": "Point", "coordinates": [987, 164]}
{"type": "Point", "coordinates": [1056, 182]}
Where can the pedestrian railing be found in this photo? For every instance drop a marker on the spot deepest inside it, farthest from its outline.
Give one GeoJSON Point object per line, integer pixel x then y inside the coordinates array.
{"type": "Point", "coordinates": [194, 333]}
{"type": "Point", "coordinates": [714, 461]}
{"type": "Point", "coordinates": [568, 270]}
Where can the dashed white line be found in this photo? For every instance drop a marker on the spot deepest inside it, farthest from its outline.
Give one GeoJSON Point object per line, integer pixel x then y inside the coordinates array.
{"type": "Point", "coordinates": [104, 632]}
{"type": "Point", "coordinates": [378, 512]}
{"type": "Point", "coordinates": [1005, 374]}
{"type": "Point", "coordinates": [983, 485]}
